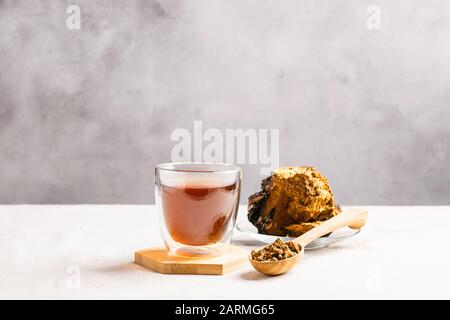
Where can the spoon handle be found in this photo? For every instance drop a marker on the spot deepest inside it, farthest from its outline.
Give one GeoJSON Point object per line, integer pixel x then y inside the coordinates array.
{"type": "Point", "coordinates": [354, 218]}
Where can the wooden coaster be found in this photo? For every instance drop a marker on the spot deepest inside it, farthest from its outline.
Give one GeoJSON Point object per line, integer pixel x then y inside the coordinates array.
{"type": "Point", "coordinates": [162, 261]}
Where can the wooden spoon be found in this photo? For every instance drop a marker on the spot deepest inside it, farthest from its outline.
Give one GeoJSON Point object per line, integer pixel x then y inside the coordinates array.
{"type": "Point", "coordinates": [354, 218]}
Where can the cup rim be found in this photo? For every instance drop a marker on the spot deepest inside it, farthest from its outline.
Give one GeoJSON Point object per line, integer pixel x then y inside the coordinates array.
{"type": "Point", "coordinates": [228, 168]}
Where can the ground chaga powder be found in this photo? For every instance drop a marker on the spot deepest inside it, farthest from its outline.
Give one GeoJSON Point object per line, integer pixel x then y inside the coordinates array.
{"type": "Point", "coordinates": [278, 250]}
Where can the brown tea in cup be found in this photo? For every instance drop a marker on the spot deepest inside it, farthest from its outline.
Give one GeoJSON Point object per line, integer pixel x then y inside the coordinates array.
{"type": "Point", "coordinates": [197, 206]}
{"type": "Point", "coordinates": [198, 213]}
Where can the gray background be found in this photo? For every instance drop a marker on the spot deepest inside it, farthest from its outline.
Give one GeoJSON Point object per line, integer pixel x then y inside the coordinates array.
{"type": "Point", "coordinates": [85, 115]}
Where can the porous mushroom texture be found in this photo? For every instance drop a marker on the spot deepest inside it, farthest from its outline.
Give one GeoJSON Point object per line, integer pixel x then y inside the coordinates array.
{"type": "Point", "coordinates": [292, 201]}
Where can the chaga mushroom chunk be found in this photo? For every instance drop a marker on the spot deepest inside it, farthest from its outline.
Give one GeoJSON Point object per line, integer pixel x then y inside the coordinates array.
{"type": "Point", "coordinates": [291, 201]}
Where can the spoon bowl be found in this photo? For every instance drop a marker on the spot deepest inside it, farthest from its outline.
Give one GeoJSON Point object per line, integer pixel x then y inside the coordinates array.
{"type": "Point", "coordinates": [273, 268]}
{"type": "Point", "coordinates": [353, 218]}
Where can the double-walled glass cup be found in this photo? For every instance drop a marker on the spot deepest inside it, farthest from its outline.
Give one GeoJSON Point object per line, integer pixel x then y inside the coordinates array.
{"type": "Point", "coordinates": [197, 205]}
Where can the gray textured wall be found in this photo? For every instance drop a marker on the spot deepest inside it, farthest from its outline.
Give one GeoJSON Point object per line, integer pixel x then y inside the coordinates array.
{"type": "Point", "coordinates": [85, 115]}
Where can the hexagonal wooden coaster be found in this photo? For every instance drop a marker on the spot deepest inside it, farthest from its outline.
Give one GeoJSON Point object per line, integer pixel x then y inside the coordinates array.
{"type": "Point", "coordinates": [162, 261]}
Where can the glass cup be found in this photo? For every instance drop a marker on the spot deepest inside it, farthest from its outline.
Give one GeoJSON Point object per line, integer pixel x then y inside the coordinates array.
{"type": "Point", "coordinates": [197, 205]}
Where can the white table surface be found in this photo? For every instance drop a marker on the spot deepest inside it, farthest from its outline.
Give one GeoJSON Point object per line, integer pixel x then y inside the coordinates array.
{"type": "Point", "coordinates": [402, 253]}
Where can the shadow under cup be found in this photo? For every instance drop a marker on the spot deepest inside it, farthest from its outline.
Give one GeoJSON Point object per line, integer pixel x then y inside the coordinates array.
{"type": "Point", "coordinates": [197, 206]}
